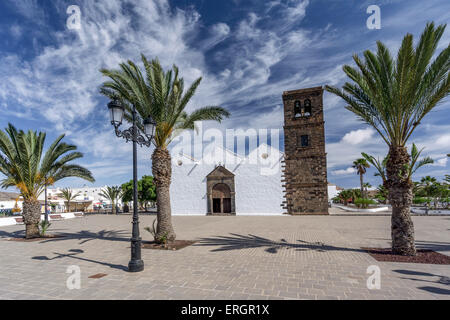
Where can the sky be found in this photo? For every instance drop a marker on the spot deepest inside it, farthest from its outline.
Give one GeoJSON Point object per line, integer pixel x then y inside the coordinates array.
{"type": "Point", "coordinates": [247, 51]}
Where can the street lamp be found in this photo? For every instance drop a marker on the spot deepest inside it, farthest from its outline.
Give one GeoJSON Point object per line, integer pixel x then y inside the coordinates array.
{"type": "Point", "coordinates": [45, 205]}
{"type": "Point", "coordinates": [116, 112]}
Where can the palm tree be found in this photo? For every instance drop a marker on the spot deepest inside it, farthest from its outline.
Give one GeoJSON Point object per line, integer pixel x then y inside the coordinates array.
{"type": "Point", "coordinates": [361, 165]}
{"type": "Point", "coordinates": [380, 166]}
{"type": "Point", "coordinates": [382, 193]}
{"type": "Point", "coordinates": [428, 185]}
{"type": "Point", "coordinates": [367, 186]}
{"type": "Point", "coordinates": [416, 164]}
{"type": "Point", "coordinates": [112, 194]}
{"type": "Point", "coordinates": [394, 97]}
{"type": "Point", "coordinates": [26, 167]}
{"type": "Point", "coordinates": [413, 166]}
{"type": "Point", "coordinates": [160, 95]}
{"type": "Point", "coordinates": [69, 196]}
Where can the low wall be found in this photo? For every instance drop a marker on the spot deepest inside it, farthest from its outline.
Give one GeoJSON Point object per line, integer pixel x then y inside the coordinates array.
{"type": "Point", "coordinates": [430, 211]}
{"type": "Point", "coordinates": [372, 210]}
{"type": "Point", "coordinates": [10, 221]}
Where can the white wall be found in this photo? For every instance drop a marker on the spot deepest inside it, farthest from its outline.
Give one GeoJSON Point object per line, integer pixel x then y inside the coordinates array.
{"type": "Point", "coordinates": [332, 192]}
{"type": "Point", "coordinates": [256, 193]}
{"type": "Point", "coordinates": [9, 204]}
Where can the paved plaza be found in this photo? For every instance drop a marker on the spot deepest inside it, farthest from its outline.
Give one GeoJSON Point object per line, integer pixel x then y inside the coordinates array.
{"type": "Point", "coordinates": [306, 257]}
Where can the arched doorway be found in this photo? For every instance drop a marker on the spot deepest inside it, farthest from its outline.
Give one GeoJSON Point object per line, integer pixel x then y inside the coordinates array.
{"type": "Point", "coordinates": [221, 195]}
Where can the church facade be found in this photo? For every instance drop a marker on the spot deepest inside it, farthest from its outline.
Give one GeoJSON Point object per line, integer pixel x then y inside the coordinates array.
{"type": "Point", "coordinates": [267, 181]}
{"type": "Point", "coordinates": [224, 183]}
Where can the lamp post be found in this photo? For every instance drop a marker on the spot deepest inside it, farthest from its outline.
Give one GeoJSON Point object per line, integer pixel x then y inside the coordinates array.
{"type": "Point", "coordinates": [116, 111]}
{"type": "Point", "coordinates": [45, 205]}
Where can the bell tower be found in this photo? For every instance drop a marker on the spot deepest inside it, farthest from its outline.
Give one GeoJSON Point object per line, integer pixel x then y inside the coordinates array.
{"type": "Point", "coordinates": [305, 166]}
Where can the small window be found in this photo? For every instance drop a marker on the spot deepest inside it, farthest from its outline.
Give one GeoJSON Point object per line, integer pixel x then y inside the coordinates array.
{"type": "Point", "coordinates": [297, 109]}
{"type": "Point", "coordinates": [304, 141]}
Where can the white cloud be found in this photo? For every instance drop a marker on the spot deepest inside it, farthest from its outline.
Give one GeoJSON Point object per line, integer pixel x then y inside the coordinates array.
{"type": "Point", "coordinates": [358, 136]}
{"type": "Point", "coordinates": [440, 162]}
{"type": "Point", "coordinates": [343, 172]}
{"type": "Point", "coordinates": [61, 82]}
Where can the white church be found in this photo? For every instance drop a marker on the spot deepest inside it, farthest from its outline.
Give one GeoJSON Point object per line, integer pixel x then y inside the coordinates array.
{"type": "Point", "coordinates": [225, 183]}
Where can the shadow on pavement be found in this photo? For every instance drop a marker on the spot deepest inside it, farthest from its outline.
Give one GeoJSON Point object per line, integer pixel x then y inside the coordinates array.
{"type": "Point", "coordinates": [238, 242]}
{"type": "Point", "coordinates": [73, 255]}
{"type": "Point", "coordinates": [86, 236]}
{"type": "Point", "coordinates": [441, 280]}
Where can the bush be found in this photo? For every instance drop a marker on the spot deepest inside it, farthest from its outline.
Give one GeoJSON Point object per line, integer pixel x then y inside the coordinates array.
{"type": "Point", "coordinates": [44, 227]}
{"type": "Point", "coordinates": [363, 203]}
{"type": "Point", "coordinates": [421, 200]}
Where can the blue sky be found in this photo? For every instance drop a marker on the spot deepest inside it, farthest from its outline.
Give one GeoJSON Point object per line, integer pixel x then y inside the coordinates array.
{"type": "Point", "coordinates": [247, 51]}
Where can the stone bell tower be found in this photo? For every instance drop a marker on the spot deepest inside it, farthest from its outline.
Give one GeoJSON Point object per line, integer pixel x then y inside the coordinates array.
{"type": "Point", "coordinates": [305, 166]}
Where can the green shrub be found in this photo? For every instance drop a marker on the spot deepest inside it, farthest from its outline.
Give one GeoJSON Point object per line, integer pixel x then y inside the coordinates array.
{"type": "Point", "coordinates": [44, 227]}
{"type": "Point", "coordinates": [363, 203]}
{"type": "Point", "coordinates": [421, 200]}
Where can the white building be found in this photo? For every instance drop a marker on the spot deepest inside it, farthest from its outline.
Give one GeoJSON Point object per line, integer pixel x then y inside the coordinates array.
{"type": "Point", "coordinates": [225, 183]}
{"type": "Point", "coordinates": [87, 200]}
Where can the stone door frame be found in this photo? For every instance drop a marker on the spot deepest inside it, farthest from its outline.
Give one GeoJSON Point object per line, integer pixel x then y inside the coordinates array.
{"type": "Point", "coordinates": [220, 175]}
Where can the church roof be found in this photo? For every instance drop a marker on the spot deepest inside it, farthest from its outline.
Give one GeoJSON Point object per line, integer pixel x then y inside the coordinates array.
{"type": "Point", "coordinates": [220, 171]}
{"type": "Point", "coordinates": [220, 156]}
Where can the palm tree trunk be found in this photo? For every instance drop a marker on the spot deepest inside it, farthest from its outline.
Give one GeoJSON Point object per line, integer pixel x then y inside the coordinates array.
{"type": "Point", "coordinates": [31, 213]}
{"type": "Point", "coordinates": [362, 185]}
{"type": "Point", "coordinates": [400, 196]}
{"type": "Point", "coordinates": [113, 207]}
{"type": "Point", "coordinates": [162, 173]}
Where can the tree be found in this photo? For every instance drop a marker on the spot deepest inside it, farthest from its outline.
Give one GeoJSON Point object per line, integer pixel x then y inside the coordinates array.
{"type": "Point", "coordinates": [349, 195]}
{"type": "Point", "coordinates": [26, 167]}
{"type": "Point", "coordinates": [380, 166]}
{"type": "Point", "coordinates": [69, 196]}
{"type": "Point", "coordinates": [146, 191]}
{"type": "Point", "coordinates": [382, 194]}
{"type": "Point", "coordinates": [158, 94]}
{"type": "Point", "coordinates": [394, 97]}
{"type": "Point", "coordinates": [113, 194]}
{"type": "Point", "coordinates": [366, 187]}
{"type": "Point", "coordinates": [414, 165]}
{"type": "Point", "coordinates": [361, 166]}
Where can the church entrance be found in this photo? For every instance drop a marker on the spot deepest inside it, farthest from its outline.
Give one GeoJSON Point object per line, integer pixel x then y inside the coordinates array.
{"type": "Point", "coordinates": [221, 192]}
{"type": "Point", "coordinates": [221, 199]}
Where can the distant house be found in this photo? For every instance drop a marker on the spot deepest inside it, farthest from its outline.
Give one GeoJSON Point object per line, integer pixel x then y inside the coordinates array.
{"type": "Point", "coordinates": [8, 201]}
{"type": "Point", "coordinates": [87, 200]}
{"type": "Point", "coordinates": [333, 190]}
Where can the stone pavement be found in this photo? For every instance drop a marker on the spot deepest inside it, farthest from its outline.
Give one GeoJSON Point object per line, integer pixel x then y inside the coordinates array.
{"type": "Point", "coordinates": [309, 257]}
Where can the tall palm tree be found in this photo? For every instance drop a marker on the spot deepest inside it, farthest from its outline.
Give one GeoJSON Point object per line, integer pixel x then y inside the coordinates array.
{"type": "Point", "coordinates": [161, 95]}
{"type": "Point", "coordinates": [361, 165]}
{"type": "Point", "coordinates": [112, 194]}
{"type": "Point", "coordinates": [26, 167]}
{"type": "Point", "coordinates": [394, 97]}
{"type": "Point", "coordinates": [69, 196]}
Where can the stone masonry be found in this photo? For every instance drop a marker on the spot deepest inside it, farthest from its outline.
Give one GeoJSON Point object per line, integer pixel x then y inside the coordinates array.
{"type": "Point", "coordinates": [305, 167]}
